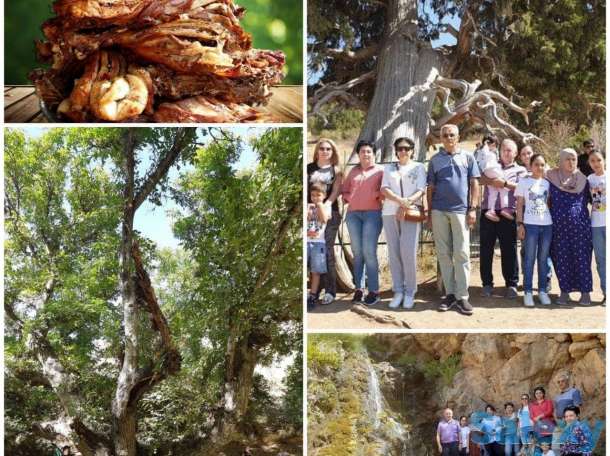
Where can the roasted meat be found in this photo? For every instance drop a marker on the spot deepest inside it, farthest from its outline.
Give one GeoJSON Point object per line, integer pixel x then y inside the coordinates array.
{"type": "Point", "coordinates": [119, 60]}
{"type": "Point", "coordinates": [203, 109]}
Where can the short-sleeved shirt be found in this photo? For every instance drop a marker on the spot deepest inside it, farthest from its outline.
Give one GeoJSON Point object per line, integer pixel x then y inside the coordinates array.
{"type": "Point", "coordinates": [450, 175]}
{"type": "Point", "coordinates": [535, 194]}
{"type": "Point", "coordinates": [361, 188]}
{"type": "Point", "coordinates": [512, 174]}
{"type": "Point", "coordinates": [325, 175]}
{"type": "Point", "coordinates": [464, 436]}
{"type": "Point", "coordinates": [597, 187]}
{"type": "Point", "coordinates": [413, 176]}
{"type": "Point", "coordinates": [448, 431]}
{"type": "Point", "coordinates": [315, 227]}
{"type": "Point", "coordinates": [571, 396]}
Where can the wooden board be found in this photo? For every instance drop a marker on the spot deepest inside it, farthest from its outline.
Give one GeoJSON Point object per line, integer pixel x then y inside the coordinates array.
{"type": "Point", "coordinates": [21, 104]}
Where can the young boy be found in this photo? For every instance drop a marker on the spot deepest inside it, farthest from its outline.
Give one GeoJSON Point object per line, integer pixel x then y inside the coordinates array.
{"type": "Point", "coordinates": [318, 213]}
{"type": "Point", "coordinates": [546, 449]}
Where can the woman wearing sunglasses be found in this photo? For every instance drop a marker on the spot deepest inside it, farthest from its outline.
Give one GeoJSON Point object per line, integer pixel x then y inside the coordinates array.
{"type": "Point", "coordinates": [403, 185]}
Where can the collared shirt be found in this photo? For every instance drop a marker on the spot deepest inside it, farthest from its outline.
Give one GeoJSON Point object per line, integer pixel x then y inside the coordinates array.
{"type": "Point", "coordinates": [450, 175]}
{"type": "Point", "coordinates": [512, 173]}
{"type": "Point", "coordinates": [571, 396]}
{"type": "Point", "coordinates": [448, 431]}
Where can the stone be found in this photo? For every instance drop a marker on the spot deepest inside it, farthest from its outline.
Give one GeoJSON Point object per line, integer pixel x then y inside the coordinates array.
{"type": "Point", "coordinates": [580, 349]}
{"type": "Point", "coordinates": [580, 337]}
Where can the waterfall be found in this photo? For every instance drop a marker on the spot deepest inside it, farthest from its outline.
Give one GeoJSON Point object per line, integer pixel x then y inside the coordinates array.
{"type": "Point", "coordinates": [375, 398]}
{"type": "Point", "coordinates": [393, 428]}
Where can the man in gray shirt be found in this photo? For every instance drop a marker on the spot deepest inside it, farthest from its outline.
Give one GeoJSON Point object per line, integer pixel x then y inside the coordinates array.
{"type": "Point", "coordinates": [453, 192]}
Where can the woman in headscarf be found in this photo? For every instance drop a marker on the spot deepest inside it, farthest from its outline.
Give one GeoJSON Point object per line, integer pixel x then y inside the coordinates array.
{"type": "Point", "coordinates": [571, 247]}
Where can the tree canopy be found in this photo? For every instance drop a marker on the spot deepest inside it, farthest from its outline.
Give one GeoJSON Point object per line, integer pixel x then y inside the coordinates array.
{"type": "Point", "coordinates": [232, 288]}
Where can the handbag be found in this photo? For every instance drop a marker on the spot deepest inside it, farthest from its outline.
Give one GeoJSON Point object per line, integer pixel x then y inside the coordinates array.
{"type": "Point", "coordinates": [414, 213]}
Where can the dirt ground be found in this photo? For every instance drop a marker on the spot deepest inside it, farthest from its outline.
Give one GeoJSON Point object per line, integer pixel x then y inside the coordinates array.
{"type": "Point", "coordinates": [495, 313]}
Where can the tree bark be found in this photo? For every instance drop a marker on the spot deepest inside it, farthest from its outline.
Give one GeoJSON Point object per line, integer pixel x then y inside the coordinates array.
{"type": "Point", "coordinates": [397, 109]}
{"type": "Point", "coordinates": [123, 426]}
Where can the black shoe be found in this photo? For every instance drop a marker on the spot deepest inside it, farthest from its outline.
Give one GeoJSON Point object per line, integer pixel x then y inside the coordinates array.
{"type": "Point", "coordinates": [357, 296]}
{"type": "Point", "coordinates": [447, 303]}
{"type": "Point", "coordinates": [311, 302]}
{"type": "Point", "coordinates": [464, 307]}
{"type": "Point", "coordinates": [372, 298]}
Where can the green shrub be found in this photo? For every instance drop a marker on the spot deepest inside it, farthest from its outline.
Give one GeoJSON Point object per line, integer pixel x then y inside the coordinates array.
{"type": "Point", "coordinates": [344, 121]}
{"type": "Point", "coordinates": [443, 369]}
{"type": "Point", "coordinates": [322, 354]}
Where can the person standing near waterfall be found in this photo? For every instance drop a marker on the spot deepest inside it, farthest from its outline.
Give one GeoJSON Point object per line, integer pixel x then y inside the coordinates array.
{"type": "Point", "coordinates": [448, 434]}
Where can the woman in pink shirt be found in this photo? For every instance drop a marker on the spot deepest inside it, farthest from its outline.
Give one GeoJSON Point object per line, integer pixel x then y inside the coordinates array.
{"type": "Point", "coordinates": [361, 190]}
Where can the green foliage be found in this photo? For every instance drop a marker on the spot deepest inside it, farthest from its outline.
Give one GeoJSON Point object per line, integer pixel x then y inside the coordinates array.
{"type": "Point", "coordinates": [346, 121]}
{"type": "Point", "coordinates": [322, 354]}
{"type": "Point", "coordinates": [293, 400]}
{"type": "Point", "coordinates": [276, 24]}
{"type": "Point", "coordinates": [373, 345]}
{"type": "Point", "coordinates": [444, 370]}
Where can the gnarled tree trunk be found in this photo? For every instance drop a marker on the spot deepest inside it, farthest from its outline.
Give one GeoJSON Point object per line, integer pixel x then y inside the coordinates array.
{"type": "Point", "coordinates": [398, 107]}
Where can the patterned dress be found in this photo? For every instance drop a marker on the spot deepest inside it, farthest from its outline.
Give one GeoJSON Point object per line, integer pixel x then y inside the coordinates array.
{"type": "Point", "coordinates": [577, 440]}
{"type": "Point", "coordinates": [572, 246]}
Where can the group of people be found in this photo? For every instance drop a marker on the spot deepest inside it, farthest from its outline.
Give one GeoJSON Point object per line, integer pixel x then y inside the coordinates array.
{"type": "Point", "coordinates": [538, 426]}
{"type": "Point", "coordinates": [547, 209]}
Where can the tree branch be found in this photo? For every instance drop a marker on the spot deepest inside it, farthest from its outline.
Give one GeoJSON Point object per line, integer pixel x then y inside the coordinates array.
{"type": "Point", "coordinates": [359, 54]}
{"type": "Point", "coordinates": [180, 142]}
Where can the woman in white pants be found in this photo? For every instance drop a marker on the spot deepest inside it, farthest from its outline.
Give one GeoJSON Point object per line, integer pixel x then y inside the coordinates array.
{"type": "Point", "coordinates": [403, 185]}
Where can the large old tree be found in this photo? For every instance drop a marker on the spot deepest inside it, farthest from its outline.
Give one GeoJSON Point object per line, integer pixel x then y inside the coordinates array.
{"type": "Point", "coordinates": [110, 360]}
{"type": "Point", "coordinates": [508, 57]}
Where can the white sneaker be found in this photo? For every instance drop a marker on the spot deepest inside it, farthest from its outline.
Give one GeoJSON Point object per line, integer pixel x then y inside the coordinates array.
{"type": "Point", "coordinates": [327, 299]}
{"type": "Point", "coordinates": [528, 300]}
{"type": "Point", "coordinates": [396, 301]}
{"type": "Point", "coordinates": [408, 302]}
{"type": "Point", "coordinates": [544, 298]}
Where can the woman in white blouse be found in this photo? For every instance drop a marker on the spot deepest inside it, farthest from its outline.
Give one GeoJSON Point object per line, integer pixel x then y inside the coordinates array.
{"type": "Point", "coordinates": [403, 185]}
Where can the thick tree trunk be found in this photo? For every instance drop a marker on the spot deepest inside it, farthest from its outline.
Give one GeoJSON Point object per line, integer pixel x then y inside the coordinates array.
{"type": "Point", "coordinates": [125, 442]}
{"type": "Point", "coordinates": [397, 109]}
{"type": "Point", "coordinates": [124, 434]}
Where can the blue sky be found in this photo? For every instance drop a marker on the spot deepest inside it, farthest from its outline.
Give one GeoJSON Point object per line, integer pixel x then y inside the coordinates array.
{"type": "Point", "coordinates": [153, 221]}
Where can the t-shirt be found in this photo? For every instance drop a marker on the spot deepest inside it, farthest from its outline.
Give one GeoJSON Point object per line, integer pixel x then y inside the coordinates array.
{"type": "Point", "coordinates": [571, 396]}
{"type": "Point", "coordinates": [535, 193]}
{"type": "Point", "coordinates": [361, 188]}
{"type": "Point", "coordinates": [325, 175]}
{"type": "Point", "coordinates": [413, 177]}
{"type": "Point", "coordinates": [315, 227]}
{"type": "Point", "coordinates": [448, 431]}
{"type": "Point", "coordinates": [512, 174]}
{"type": "Point", "coordinates": [450, 174]}
{"type": "Point", "coordinates": [464, 436]}
{"type": "Point", "coordinates": [549, 453]}
{"type": "Point", "coordinates": [597, 187]}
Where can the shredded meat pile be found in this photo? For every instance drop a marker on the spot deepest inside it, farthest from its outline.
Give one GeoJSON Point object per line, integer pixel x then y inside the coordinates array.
{"type": "Point", "coordinates": [161, 60]}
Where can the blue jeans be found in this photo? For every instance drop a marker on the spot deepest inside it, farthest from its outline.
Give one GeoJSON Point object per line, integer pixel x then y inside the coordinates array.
{"type": "Point", "coordinates": [511, 445]}
{"type": "Point", "coordinates": [599, 248]}
{"type": "Point", "coordinates": [537, 246]}
{"type": "Point", "coordinates": [364, 229]}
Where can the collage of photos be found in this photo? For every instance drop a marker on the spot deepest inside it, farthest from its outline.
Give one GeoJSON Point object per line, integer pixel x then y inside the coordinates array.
{"type": "Point", "coordinates": [304, 227]}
